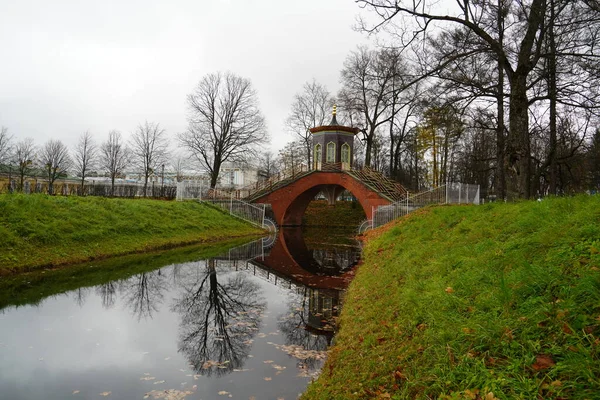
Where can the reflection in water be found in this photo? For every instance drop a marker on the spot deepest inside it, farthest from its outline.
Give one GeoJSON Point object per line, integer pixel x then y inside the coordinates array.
{"type": "Point", "coordinates": [108, 293]}
{"type": "Point", "coordinates": [219, 317]}
{"type": "Point", "coordinates": [80, 295]}
{"type": "Point", "coordinates": [209, 315]}
{"type": "Point", "coordinates": [330, 259]}
{"type": "Point", "coordinates": [143, 293]}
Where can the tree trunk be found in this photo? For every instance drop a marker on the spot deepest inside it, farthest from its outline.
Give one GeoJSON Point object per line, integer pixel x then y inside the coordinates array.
{"type": "Point", "coordinates": [518, 146]}
{"type": "Point", "coordinates": [500, 165]}
{"type": "Point", "coordinates": [368, 149]}
{"type": "Point", "coordinates": [552, 96]}
{"type": "Point", "coordinates": [214, 174]}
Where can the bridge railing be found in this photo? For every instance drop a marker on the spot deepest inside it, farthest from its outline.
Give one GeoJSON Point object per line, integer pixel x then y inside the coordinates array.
{"type": "Point", "coordinates": [269, 184]}
{"type": "Point", "coordinates": [451, 193]}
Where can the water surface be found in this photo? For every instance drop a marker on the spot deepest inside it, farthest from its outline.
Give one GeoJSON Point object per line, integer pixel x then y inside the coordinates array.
{"type": "Point", "coordinates": [251, 322]}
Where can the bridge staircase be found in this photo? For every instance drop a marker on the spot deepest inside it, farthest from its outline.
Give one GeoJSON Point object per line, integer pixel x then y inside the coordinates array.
{"type": "Point", "coordinates": [259, 189]}
{"type": "Point", "coordinates": [374, 180]}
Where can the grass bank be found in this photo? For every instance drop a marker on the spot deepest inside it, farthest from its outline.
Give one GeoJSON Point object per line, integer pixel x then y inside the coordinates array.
{"type": "Point", "coordinates": [343, 213]}
{"type": "Point", "coordinates": [38, 231]}
{"type": "Point", "coordinates": [499, 301]}
{"type": "Point", "coordinates": [34, 287]}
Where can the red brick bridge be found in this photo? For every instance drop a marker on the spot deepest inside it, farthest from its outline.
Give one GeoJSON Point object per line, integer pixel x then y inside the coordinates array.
{"type": "Point", "coordinates": [289, 197]}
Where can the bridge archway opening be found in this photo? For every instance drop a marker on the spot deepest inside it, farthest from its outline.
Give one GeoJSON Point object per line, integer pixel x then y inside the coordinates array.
{"type": "Point", "coordinates": [331, 192]}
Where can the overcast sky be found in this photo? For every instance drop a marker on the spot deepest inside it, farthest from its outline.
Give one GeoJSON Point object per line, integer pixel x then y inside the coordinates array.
{"type": "Point", "coordinates": [71, 66]}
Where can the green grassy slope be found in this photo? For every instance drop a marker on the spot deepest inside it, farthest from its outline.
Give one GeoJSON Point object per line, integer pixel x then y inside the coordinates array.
{"type": "Point", "coordinates": [33, 287]}
{"type": "Point", "coordinates": [499, 301]}
{"type": "Point", "coordinates": [343, 213]}
{"type": "Point", "coordinates": [40, 230]}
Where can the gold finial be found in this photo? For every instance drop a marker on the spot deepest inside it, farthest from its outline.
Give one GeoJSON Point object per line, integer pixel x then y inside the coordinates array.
{"type": "Point", "coordinates": [334, 109]}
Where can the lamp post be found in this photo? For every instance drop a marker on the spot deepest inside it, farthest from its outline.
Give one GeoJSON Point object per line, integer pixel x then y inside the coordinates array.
{"type": "Point", "coordinates": [162, 178]}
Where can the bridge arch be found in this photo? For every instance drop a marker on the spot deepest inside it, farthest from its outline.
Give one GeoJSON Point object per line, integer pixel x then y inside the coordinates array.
{"type": "Point", "coordinates": [297, 207]}
{"type": "Point", "coordinates": [290, 202]}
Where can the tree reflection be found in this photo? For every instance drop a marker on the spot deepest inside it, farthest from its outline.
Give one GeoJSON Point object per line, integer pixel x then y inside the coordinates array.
{"type": "Point", "coordinates": [80, 295]}
{"type": "Point", "coordinates": [143, 293]}
{"type": "Point", "coordinates": [219, 317]}
{"type": "Point", "coordinates": [309, 322]}
{"type": "Point", "coordinates": [108, 293]}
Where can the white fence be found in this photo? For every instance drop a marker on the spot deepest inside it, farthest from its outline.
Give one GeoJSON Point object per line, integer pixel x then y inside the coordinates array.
{"type": "Point", "coordinates": [201, 191]}
{"type": "Point", "coordinates": [451, 193]}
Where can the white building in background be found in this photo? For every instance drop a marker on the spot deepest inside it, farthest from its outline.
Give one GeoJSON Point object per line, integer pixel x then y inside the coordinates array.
{"type": "Point", "coordinates": [237, 175]}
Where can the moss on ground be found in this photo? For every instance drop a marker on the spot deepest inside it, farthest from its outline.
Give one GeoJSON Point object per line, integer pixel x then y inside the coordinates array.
{"type": "Point", "coordinates": [499, 301]}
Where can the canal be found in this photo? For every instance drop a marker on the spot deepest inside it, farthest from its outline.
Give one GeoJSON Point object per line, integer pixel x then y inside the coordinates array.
{"type": "Point", "coordinates": [250, 322]}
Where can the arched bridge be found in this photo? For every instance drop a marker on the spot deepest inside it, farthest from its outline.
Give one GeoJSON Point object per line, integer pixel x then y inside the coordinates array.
{"type": "Point", "coordinates": [289, 196]}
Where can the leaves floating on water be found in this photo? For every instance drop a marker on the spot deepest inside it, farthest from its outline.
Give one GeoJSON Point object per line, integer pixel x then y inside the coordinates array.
{"type": "Point", "coordinates": [223, 393]}
{"type": "Point", "coordinates": [158, 382]}
{"type": "Point", "coordinates": [171, 394]}
{"type": "Point", "coordinates": [147, 378]}
{"type": "Point", "coordinates": [300, 353]}
{"type": "Point", "coordinates": [105, 394]}
{"type": "Point", "coordinates": [268, 378]}
{"type": "Point", "coordinates": [75, 391]}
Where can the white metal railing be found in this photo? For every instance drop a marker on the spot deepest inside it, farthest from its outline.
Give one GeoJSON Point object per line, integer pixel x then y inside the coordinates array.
{"type": "Point", "coordinates": [451, 193]}
{"type": "Point", "coordinates": [191, 190]}
{"type": "Point", "coordinates": [252, 213]}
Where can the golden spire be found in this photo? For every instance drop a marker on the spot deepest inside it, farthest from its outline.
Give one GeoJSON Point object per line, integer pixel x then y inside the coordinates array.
{"type": "Point", "coordinates": [334, 109]}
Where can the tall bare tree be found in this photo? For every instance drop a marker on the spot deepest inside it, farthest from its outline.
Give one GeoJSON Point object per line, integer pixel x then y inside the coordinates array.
{"type": "Point", "coordinates": [513, 32]}
{"type": "Point", "coordinates": [292, 155]}
{"type": "Point", "coordinates": [179, 164]}
{"type": "Point", "coordinates": [5, 145]}
{"type": "Point", "coordinates": [371, 81]}
{"type": "Point", "coordinates": [149, 149]}
{"type": "Point", "coordinates": [54, 159]}
{"type": "Point", "coordinates": [24, 158]}
{"type": "Point", "coordinates": [267, 165]}
{"type": "Point", "coordinates": [311, 107]}
{"type": "Point", "coordinates": [85, 157]}
{"type": "Point", "coordinates": [114, 157]}
{"type": "Point", "coordinates": [225, 122]}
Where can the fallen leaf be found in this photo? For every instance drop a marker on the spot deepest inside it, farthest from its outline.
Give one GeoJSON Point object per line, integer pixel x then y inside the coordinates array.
{"type": "Point", "coordinates": [543, 361]}
{"type": "Point", "coordinates": [159, 382]}
{"type": "Point", "coordinates": [105, 394]}
{"type": "Point", "coordinates": [223, 393]}
{"type": "Point", "coordinates": [449, 290]}
{"type": "Point", "coordinates": [267, 378]}
{"type": "Point", "coordinates": [75, 391]}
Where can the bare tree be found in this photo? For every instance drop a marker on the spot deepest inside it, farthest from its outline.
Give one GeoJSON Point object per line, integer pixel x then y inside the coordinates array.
{"type": "Point", "coordinates": [225, 123]}
{"type": "Point", "coordinates": [311, 108]}
{"type": "Point", "coordinates": [267, 166]}
{"type": "Point", "coordinates": [54, 159]}
{"type": "Point", "coordinates": [5, 145]}
{"type": "Point", "coordinates": [292, 155]}
{"type": "Point", "coordinates": [114, 157]}
{"type": "Point", "coordinates": [149, 149]}
{"type": "Point", "coordinates": [85, 157]}
{"type": "Point", "coordinates": [179, 164]}
{"type": "Point", "coordinates": [513, 32]}
{"type": "Point", "coordinates": [24, 158]}
{"type": "Point", "coordinates": [371, 82]}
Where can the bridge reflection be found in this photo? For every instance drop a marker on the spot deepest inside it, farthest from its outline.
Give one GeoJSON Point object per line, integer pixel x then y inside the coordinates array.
{"type": "Point", "coordinates": [317, 274]}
